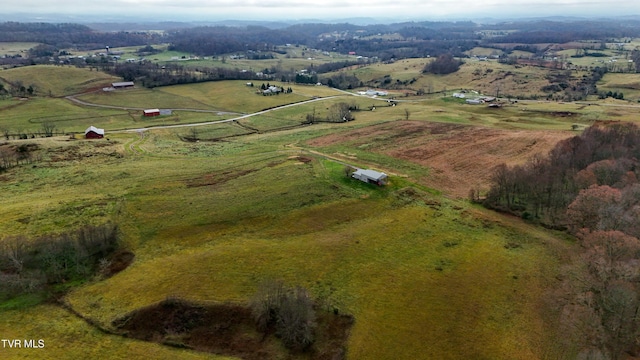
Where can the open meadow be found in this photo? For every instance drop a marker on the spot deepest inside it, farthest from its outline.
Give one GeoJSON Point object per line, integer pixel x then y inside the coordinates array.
{"type": "Point", "coordinates": [57, 81]}
{"type": "Point", "coordinates": [424, 273]}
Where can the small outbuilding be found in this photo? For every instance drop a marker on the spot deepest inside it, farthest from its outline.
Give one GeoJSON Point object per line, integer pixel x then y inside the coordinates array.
{"type": "Point", "coordinates": [151, 112]}
{"type": "Point", "coordinates": [122, 85]}
{"type": "Point", "coordinates": [370, 176]}
{"type": "Point", "coordinates": [93, 133]}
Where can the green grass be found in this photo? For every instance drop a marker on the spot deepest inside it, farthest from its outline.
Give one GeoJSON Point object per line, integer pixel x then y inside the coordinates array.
{"type": "Point", "coordinates": [628, 84]}
{"type": "Point", "coordinates": [235, 96]}
{"type": "Point", "coordinates": [49, 80]}
{"type": "Point", "coordinates": [67, 337]}
{"type": "Point", "coordinates": [424, 276]}
{"type": "Point", "coordinates": [143, 98]}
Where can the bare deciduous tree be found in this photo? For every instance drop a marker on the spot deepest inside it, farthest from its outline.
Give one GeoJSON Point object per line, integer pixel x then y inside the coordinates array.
{"type": "Point", "coordinates": [48, 128]}
{"type": "Point", "coordinates": [289, 310]}
{"type": "Point", "coordinates": [339, 112]}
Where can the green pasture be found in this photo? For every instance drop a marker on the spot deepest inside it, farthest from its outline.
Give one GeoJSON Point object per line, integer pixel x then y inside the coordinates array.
{"type": "Point", "coordinates": [628, 84]}
{"type": "Point", "coordinates": [424, 276]}
{"type": "Point", "coordinates": [67, 337]}
{"type": "Point", "coordinates": [236, 96]}
{"type": "Point", "coordinates": [143, 98]}
{"type": "Point", "coordinates": [296, 58]}
{"type": "Point", "coordinates": [210, 132]}
{"type": "Point", "coordinates": [51, 80]}
{"type": "Point", "coordinates": [28, 116]}
{"type": "Point", "coordinates": [382, 254]}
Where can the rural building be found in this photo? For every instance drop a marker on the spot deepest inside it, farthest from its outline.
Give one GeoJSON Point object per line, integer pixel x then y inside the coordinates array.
{"type": "Point", "coordinates": [372, 92]}
{"type": "Point", "coordinates": [151, 112]}
{"type": "Point", "coordinates": [271, 90]}
{"type": "Point", "coordinates": [93, 133]}
{"type": "Point", "coordinates": [370, 176]}
{"type": "Point", "coordinates": [122, 85]}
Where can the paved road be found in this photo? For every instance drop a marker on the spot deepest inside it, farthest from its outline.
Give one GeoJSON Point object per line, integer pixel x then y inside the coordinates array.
{"type": "Point", "coordinates": [226, 120]}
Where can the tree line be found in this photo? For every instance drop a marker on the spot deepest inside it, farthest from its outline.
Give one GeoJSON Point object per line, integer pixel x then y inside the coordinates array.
{"type": "Point", "coordinates": [587, 185]}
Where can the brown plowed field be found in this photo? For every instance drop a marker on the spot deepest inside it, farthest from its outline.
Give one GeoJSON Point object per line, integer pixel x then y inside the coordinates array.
{"type": "Point", "coordinates": [459, 157]}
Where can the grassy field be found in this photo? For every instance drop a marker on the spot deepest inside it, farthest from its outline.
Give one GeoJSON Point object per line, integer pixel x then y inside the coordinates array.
{"type": "Point", "coordinates": [425, 274]}
{"type": "Point", "coordinates": [15, 48]}
{"type": "Point", "coordinates": [487, 77]}
{"type": "Point", "coordinates": [628, 84]}
{"type": "Point", "coordinates": [234, 96]}
{"type": "Point", "coordinates": [403, 261]}
{"type": "Point", "coordinates": [67, 337]}
{"type": "Point", "coordinates": [49, 80]}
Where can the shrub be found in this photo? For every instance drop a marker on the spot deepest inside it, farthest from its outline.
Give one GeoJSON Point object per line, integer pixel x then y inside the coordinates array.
{"type": "Point", "coordinates": [288, 310]}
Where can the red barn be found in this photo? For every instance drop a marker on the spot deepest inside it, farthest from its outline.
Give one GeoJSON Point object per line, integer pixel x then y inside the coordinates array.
{"type": "Point", "coordinates": [151, 112]}
{"type": "Point", "coordinates": [93, 133]}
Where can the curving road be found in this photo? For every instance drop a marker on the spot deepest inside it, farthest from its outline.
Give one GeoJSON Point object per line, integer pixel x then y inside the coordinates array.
{"type": "Point", "coordinates": [84, 103]}
{"type": "Point", "coordinates": [223, 121]}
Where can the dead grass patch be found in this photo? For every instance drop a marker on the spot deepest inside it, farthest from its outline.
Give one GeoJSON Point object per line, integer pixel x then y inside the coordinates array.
{"type": "Point", "coordinates": [228, 329]}
{"type": "Point", "coordinates": [460, 157]}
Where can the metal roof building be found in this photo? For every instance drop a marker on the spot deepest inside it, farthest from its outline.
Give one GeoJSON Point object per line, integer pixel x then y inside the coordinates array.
{"type": "Point", "coordinates": [123, 84]}
{"type": "Point", "coordinates": [370, 176]}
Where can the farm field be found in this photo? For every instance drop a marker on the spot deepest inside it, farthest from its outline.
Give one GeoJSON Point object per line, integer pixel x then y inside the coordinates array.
{"type": "Point", "coordinates": [15, 48]}
{"type": "Point", "coordinates": [628, 84]}
{"type": "Point", "coordinates": [50, 80]}
{"type": "Point", "coordinates": [362, 247]}
{"type": "Point", "coordinates": [487, 77]}
{"type": "Point", "coordinates": [424, 273]}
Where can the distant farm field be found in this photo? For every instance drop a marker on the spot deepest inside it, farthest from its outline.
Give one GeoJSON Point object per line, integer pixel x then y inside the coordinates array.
{"type": "Point", "coordinates": [628, 84]}
{"type": "Point", "coordinates": [50, 80]}
{"type": "Point", "coordinates": [487, 77]}
{"type": "Point", "coordinates": [15, 48]}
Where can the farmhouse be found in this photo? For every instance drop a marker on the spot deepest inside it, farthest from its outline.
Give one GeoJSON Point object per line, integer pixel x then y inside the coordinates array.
{"type": "Point", "coordinates": [151, 112]}
{"type": "Point", "coordinates": [122, 85]}
{"type": "Point", "coordinates": [93, 133]}
{"type": "Point", "coordinates": [370, 176]}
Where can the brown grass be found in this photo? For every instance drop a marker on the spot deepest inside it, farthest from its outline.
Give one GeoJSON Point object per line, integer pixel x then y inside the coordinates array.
{"type": "Point", "coordinates": [460, 157]}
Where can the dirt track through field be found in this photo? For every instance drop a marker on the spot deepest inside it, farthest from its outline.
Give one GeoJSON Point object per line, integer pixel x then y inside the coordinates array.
{"type": "Point", "coordinates": [459, 157]}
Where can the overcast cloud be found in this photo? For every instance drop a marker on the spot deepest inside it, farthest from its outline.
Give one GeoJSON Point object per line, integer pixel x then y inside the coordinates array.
{"type": "Point", "coordinates": [326, 9]}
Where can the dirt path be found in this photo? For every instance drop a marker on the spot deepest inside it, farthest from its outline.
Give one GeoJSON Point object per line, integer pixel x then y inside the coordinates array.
{"type": "Point", "coordinates": [135, 145]}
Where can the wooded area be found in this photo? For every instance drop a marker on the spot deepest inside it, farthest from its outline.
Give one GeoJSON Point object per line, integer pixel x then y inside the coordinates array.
{"type": "Point", "coordinates": [589, 186]}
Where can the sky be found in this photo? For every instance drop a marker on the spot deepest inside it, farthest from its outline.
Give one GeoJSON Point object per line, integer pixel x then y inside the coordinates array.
{"type": "Point", "coordinates": [396, 10]}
